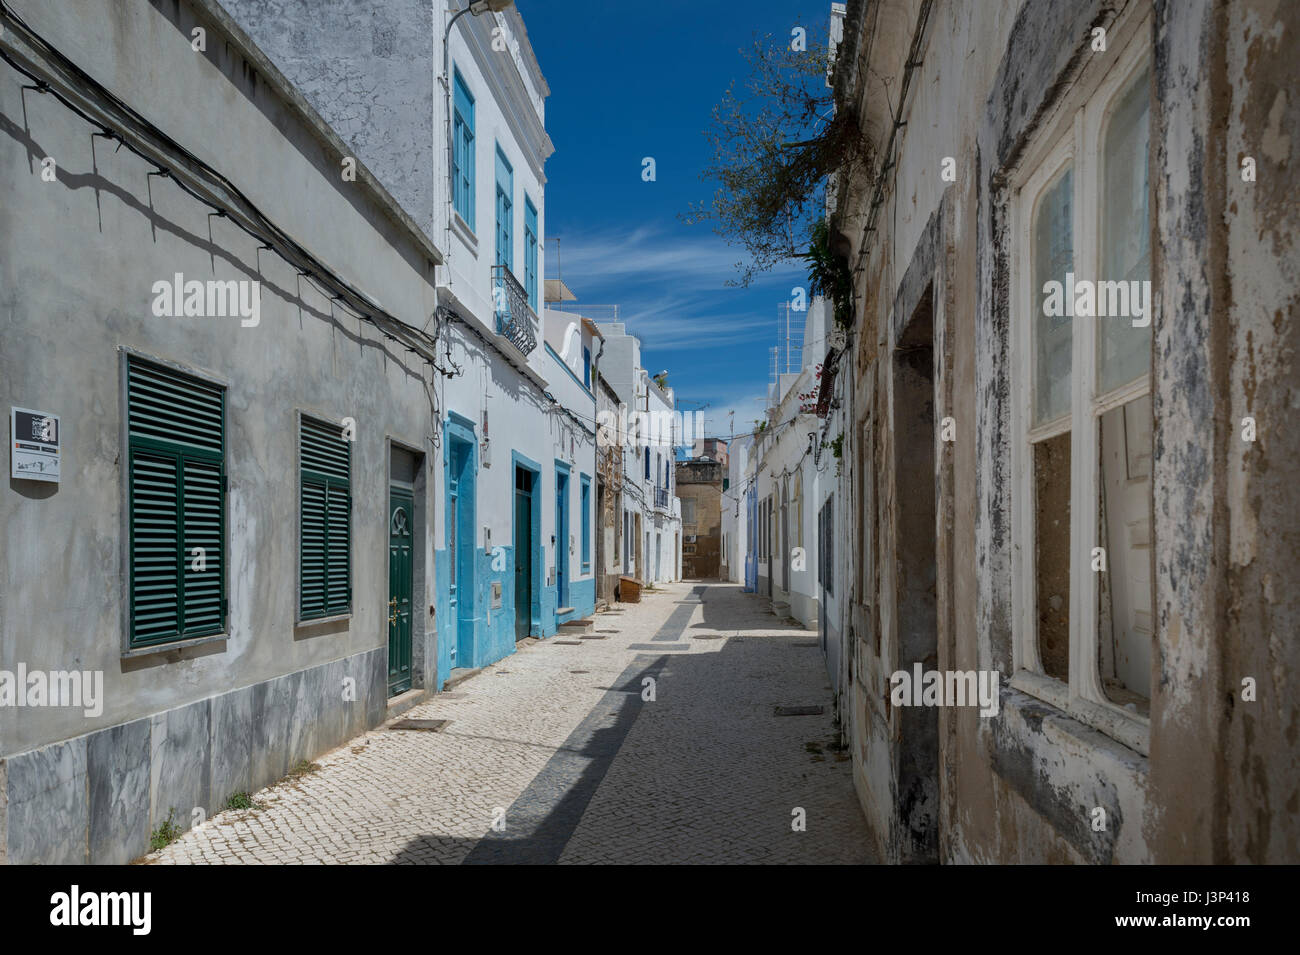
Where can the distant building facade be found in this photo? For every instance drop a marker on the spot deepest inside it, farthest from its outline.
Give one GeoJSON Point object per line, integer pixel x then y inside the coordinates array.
{"type": "Point", "coordinates": [699, 488]}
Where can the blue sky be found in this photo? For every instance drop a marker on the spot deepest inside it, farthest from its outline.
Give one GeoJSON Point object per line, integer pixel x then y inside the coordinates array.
{"type": "Point", "coordinates": [630, 80]}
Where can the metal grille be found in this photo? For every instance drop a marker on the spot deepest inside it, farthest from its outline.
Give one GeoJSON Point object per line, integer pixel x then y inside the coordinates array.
{"type": "Point", "coordinates": [515, 320]}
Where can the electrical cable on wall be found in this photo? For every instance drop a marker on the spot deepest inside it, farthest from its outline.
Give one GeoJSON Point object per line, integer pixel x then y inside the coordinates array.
{"type": "Point", "coordinates": [120, 122]}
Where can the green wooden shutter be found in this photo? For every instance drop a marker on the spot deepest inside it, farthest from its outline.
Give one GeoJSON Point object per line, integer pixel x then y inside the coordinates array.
{"type": "Point", "coordinates": [325, 521]}
{"type": "Point", "coordinates": [176, 498]}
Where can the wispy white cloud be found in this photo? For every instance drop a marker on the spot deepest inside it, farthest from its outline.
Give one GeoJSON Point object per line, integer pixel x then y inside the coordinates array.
{"type": "Point", "coordinates": [652, 256]}
{"type": "Point", "coordinates": [671, 288]}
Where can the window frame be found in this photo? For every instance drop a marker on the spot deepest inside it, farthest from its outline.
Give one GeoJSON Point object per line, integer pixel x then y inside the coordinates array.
{"type": "Point", "coordinates": [505, 227]}
{"type": "Point", "coordinates": [1078, 123]}
{"type": "Point", "coordinates": [531, 249]}
{"type": "Point", "coordinates": [129, 648]}
{"type": "Point", "coordinates": [584, 496]}
{"type": "Point", "coordinates": [467, 166]}
{"type": "Point", "coordinates": [689, 505]}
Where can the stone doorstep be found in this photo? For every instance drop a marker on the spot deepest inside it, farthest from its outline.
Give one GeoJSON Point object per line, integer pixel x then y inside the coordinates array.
{"type": "Point", "coordinates": [397, 705]}
{"type": "Point", "coordinates": [571, 627]}
{"type": "Point", "coordinates": [458, 678]}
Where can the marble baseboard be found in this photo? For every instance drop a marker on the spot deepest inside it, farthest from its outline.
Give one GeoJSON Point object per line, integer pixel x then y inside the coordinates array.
{"type": "Point", "coordinates": [96, 798]}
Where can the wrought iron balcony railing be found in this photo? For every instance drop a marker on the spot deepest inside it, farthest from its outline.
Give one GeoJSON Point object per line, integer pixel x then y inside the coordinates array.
{"type": "Point", "coordinates": [516, 321]}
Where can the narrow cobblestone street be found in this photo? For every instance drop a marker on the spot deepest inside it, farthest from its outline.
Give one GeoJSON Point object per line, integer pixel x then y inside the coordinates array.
{"type": "Point", "coordinates": [559, 737]}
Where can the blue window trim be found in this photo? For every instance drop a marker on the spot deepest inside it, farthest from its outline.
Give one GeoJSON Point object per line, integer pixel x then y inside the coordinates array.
{"type": "Point", "coordinates": [537, 557]}
{"type": "Point", "coordinates": [530, 251]}
{"type": "Point", "coordinates": [463, 150]}
{"type": "Point", "coordinates": [505, 211]}
{"type": "Point", "coordinates": [585, 497]}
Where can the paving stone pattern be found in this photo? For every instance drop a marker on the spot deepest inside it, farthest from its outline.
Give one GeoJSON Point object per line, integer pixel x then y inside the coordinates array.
{"type": "Point", "coordinates": [559, 745]}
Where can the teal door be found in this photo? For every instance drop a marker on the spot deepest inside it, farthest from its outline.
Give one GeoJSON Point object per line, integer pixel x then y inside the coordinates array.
{"type": "Point", "coordinates": [400, 511]}
{"type": "Point", "coordinates": [561, 539]}
{"type": "Point", "coordinates": [460, 552]}
{"type": "Point", "coordinates": [523, 552]}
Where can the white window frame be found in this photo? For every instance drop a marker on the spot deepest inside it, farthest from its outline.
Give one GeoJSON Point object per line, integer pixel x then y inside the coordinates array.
{"type": "Point", "coordinates": [1073, 134]}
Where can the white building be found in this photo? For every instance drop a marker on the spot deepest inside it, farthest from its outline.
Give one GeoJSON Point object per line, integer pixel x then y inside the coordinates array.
{"type": "Point", "coordinates": [518, 457]}
{"type": "Point", "coordinates": [650, 428]}
{"type": "Point", "coordinates": [796, 472]}
{"type": "Point", "coordinates": [511, 471]}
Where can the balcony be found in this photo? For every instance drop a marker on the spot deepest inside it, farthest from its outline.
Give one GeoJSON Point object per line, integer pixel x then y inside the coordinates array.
{"type": "Point", "coordinates": [516, 321]}
{"type": "Point", "coordinates": [661, 498]}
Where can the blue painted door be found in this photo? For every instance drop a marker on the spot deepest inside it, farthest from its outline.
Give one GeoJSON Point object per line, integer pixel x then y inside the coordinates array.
{"type": "Point", "coordinates": [562, 539]}
{"type": "Point", "coordinates": [523, 552]}
{"type": "Point", "coordinates": [460, 553]}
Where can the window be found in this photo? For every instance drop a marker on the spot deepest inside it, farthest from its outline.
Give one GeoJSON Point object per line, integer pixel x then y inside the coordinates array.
{"type": "Point", "coordinates": [796, 500]}
{"type": "Point", "coordinates": [176, 477]}
{"type": "Point", "coordinates": [647, 465]}
{"type": "Point", "coordinates": [1082, 405]}
{"type": "Point", "coordinates": [688, 510]}
{"type": "Point", "coordinates": [586, 367]}
{"type": "Point", "coordinates": [462, 154]}
{"type": "Point", "coordinates": [866, 515]}
{"type": "Point", "coordinates": [505, 210]}
{"type": "Point", "coordinates": [324, 520]}
{"type": "Point", "coordinates": [586, 523]}
{"type": "Point", "coordinates": [768, 519]}
{"type": "Point", "coordinates": [530, 252]}
{"type": "Point", "coordinates": [627, 542]}
{"type": "Point", "coordinates": [826, 546]}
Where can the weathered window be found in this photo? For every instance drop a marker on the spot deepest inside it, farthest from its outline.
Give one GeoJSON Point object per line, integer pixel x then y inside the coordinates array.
{"type": "Point", "coordinates": [826, 546]}
{"type": "Point", "coordinates": [1052, 235]}
{"type": "Point", "coordinates": [1081, 410]}
{"type": "Point", "coordinates": [688, 510]}
{"type": "Point", "coordinates": [866, 514]}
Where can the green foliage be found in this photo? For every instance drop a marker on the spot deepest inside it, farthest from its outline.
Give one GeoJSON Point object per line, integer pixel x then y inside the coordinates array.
{"type": "Point", "coordinates": [829, 275]}
{"type": "Point", "coordinates": [242, 801]}
{"type": "Point", "coordinates": [165, 834]}
{"type": "Point", "coordinates": [775, 141]}
{"type": "Point", "coordinates": [303, 768]}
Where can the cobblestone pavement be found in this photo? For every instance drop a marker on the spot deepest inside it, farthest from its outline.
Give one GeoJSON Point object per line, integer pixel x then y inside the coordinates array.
{"type": "Point", "coordinates": [559, 742]}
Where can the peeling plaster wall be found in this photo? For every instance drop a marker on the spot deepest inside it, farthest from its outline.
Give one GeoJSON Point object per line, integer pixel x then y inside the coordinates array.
{"type": "Point", "coordinates": [1226, 588]}
{"type": "Point", "coordinates": [1221, 780]}
{"type": "Point", "coordinates": [1263, 498]}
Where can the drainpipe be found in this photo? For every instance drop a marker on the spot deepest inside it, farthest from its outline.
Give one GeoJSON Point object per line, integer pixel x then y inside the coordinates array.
{"type": "Point", "coordinates": [475, 7]}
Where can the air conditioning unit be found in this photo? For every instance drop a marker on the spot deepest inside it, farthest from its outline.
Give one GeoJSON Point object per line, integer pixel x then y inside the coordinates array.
{"type": "Point", "coordinates": [689, 539]}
